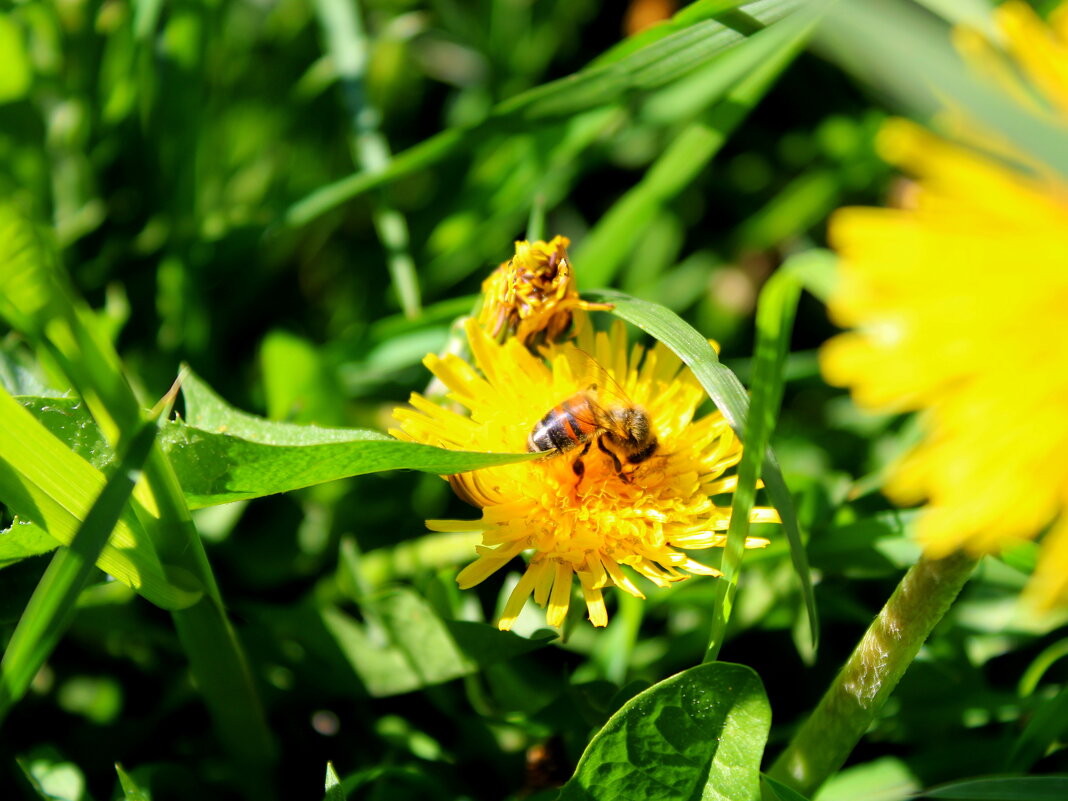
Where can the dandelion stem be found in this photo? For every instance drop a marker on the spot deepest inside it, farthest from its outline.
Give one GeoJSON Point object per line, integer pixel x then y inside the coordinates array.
{"type": "Point", "coordinates": [872, 672]}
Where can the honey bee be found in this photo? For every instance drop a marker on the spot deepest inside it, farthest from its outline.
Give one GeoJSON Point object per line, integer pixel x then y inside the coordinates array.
{"type": "Point", "coordinates": [601, 413]}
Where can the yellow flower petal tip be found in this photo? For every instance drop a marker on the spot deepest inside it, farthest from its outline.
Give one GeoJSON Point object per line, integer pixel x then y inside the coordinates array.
{"type": "Point", "coordinates": [589, 511]}
{"type": "Point", "coordinates": [957, 303]}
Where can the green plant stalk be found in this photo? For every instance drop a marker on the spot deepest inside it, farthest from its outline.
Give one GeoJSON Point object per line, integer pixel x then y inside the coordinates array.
{"type": "Point", "coordinates": [346, 43]}
{"type": "Point", "coordinates": [775, 321]}
{"type": "Point", "coordinates": [871, 673]}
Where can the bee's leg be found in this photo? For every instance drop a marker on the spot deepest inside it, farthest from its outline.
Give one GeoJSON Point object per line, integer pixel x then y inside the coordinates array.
{"type": "Point", "coordinates": [615, 459]}
{"type": "Point", "coordinates": [578, 466]}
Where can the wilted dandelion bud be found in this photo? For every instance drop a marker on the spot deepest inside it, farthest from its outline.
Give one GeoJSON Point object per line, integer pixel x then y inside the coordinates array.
{"type": "Point", "coordinates": [532, 296]}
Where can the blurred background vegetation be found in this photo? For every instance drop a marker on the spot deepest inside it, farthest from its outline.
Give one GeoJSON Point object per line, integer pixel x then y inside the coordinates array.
{"type": "Point", "coordinates": [168, 143]}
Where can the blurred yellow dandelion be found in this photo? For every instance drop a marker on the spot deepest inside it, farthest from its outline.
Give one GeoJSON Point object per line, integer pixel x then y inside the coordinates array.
{"type": "Point", "coordinates": [532, 296]}
{"type": "Point", "coordinates": [602, 519]}
{"type": "Point", "coordinates": [959, 305]}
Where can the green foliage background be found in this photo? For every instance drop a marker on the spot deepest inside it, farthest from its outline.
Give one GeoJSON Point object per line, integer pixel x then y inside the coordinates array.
{"type": "Point", "coordinates": [173, 148]}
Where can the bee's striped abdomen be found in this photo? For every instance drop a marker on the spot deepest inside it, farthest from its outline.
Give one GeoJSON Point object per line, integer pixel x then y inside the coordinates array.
{"type": "Point", "coordinates": [563, 428]}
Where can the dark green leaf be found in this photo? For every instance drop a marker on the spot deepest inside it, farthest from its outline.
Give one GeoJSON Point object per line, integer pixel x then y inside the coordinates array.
{"type": "Point", "coordinates": [699, 734]}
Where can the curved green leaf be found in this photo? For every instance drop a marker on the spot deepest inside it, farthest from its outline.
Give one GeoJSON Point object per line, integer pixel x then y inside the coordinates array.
{"type": "Point", "coordinates": [730, 398]}
{"type": "Point", "coordinates": [223, 454]}
{"type": "Point", "coordinates": [698, 734]}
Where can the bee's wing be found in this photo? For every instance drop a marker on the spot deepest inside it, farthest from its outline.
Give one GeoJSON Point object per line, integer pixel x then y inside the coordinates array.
{"type": "Point", "coordinates": [597, 378]}
{"type": "Point", "coordinates": [604, 392]}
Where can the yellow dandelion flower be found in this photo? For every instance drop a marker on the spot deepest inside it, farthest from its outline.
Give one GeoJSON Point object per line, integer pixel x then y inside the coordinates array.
{"type": "Point", "coordinates": [581, 512]}
{"type": "Point", "coordinates": [959, 305]}
{"type": "Point", "coordinates": [532, 296]}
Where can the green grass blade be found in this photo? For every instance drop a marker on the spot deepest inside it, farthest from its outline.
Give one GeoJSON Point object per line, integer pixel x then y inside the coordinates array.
{"type": "Point", "coordinates": [40, 301]}
{"type": "Point", "coordinates": [1008, 788]}
{"type": "Point", "coordinates": [43, 481]}
{"type": "Point", "coordinates": [774, 323]}
{"type": "Point", "coordinates": [730, 398]}
{"type": "Point", "coordinates": [334, 790]}
{"type": "Point", "coordinates": [348, 47]}
{"type": "Point", "coordinates": [742, 76]}
{"type": "Point", "coordinates": [664, 60]}
{"type": "Point", "coordinates": [52, 603]}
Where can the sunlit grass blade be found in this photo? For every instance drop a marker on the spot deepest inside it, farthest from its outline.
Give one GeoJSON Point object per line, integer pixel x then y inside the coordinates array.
{"type": "Point", "coordinates": [730, 398]}
{"type": "Point", "coordinates": [744, 75]}
{"type": "Point", "coordinates": [774, 323]}
{"type": "Point", "coordinates": [334, 790]}
{"type": "Point", "coordinates": [131, 790]}
{"type": "Point", "coordinates": [908, 53]}
{"type": "Point", "coordinates": [43, 481]}
{"type": "Point", "coordinates": [348, 48]}
{"type": "Point", "coordinates": [52, 603]}
{"type": "Point", "coordinates": [658, 63]}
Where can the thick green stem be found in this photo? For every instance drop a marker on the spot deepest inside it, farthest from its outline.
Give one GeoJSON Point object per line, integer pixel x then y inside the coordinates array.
{"type": "Point", "coordinates": [872, 672]}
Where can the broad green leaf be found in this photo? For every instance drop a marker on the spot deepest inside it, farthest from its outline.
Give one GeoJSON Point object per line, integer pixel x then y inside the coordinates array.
{"type": "Point", "coordinates": [730, 398]}
{"type": "Point", "coordinates": [225, 455]}
{"type": "Point", "coordinates": [52, 603]}
{"type": "Point", "coordinates": [774, 322]}
{"type": "Point", "coordinates": [698, 734]}
{"type": "Point", "coordinates": [44, 482]}
{"type": "Point", "coordinates": [69, 420]}
{"type": "Point", "coordinates": [405, 646]}
{"type": "Point", "coordinates": [24, 539]}
{"type": "Point", "coordinates": [667, 58]}
{"type": "Point", "coordinates": [1013, 788]}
